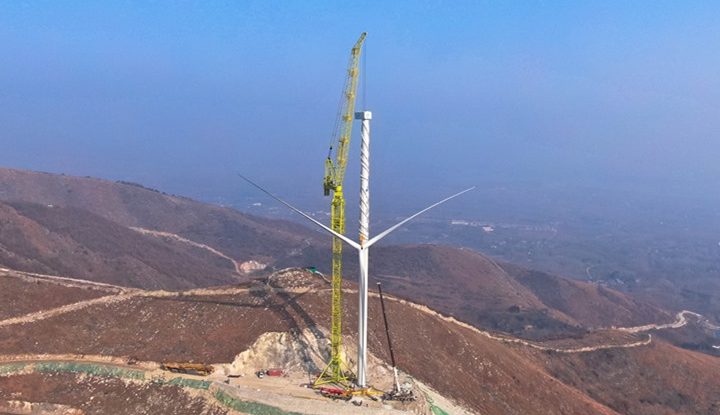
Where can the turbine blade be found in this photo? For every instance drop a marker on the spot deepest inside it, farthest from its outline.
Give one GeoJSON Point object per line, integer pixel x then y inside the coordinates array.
{"type": "Point", "coordinates": [392, 228]}
{"type": "Point", "coordinates": [305, 215]}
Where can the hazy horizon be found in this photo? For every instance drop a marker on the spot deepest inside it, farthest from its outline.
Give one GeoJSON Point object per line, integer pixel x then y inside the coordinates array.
{"type": "Point", "coordinates": [600, 95]}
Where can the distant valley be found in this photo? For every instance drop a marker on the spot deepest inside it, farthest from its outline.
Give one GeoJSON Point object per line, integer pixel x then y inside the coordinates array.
{"type": "Point", "coordinates": [136, 275]}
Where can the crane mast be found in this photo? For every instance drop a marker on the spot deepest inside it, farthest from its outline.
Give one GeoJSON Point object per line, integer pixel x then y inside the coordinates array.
{"type": "Point", "coordinates": [334, 372]}
{"type": "Point", "coordinates": [333, 183]}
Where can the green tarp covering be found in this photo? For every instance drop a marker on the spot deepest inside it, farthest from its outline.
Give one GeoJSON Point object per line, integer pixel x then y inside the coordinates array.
{"type": "Point", "coordinates": [90, 369]}
{"type": "Point", "coordinates": [251, 408]}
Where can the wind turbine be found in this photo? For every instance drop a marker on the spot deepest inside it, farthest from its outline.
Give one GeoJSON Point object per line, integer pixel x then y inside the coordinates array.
{"type": "Point", "coordinates": [364, 242]}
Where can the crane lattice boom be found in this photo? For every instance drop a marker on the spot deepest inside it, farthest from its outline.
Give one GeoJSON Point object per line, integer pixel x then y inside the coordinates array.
{"type": "Point", "coordinates": [333, 183]}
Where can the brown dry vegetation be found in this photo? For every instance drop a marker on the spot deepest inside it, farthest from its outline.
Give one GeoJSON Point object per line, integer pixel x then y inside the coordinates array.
{"type": "Point", "coordinates": [104, 396]}
{"type": "Point", "coordinates": [85, 235]}
{"type": "Point", "coordinates": [19, 297]}
{"type": "Point", "coordinates": [74, 242]}
{"type": "Point", "coordinates": [590, 304]}
{"type": "Point", "coordinates": [474, 288]}
{"type": "Point", "coordinates": [484, 374]}
{"type": "Point", "coordinates": [240, 236]}
{"type": "Point", "coordinates": [659, 379]}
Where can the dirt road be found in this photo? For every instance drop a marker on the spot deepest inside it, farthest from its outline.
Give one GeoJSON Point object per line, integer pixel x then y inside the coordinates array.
{"type": "Point", "coordinates": [179, 238]}
{"type": "Point", "coordinates": [124, 294]}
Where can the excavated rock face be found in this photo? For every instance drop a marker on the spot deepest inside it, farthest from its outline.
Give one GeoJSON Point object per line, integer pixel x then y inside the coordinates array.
{"type": "Point", "coordinates": [251, 266]}
{"type": "Point", "coordinates": [297, 279]}
{"type": "Point", "coordinates": [301, 353]}
{"type": "Point", "coordinates": [292, 351]}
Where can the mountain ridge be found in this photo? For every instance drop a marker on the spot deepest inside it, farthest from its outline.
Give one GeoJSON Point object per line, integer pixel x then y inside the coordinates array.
{"type": "Point", "coordinates": [459, 282]}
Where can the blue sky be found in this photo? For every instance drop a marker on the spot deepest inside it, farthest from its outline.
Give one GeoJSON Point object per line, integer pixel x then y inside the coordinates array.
{"type": "Point", "coordinates": [182, 95]}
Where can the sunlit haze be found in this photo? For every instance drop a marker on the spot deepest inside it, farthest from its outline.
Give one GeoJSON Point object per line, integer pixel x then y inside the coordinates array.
{"type": "Point", "coordinates": [182, 96]}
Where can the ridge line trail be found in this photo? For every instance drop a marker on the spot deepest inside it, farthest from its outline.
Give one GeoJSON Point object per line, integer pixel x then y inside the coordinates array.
{"type": "Point", "coordinates": [514, 340]}
{"type": "Point", "coordinates": [112, 299]}
{"type": "Point", "coordinates": [59, 280]}
{"type": "Point", "coordinates": [179, 238]}
{"type": "Point", "coordinates": [129, 293]}
{"type": "Point", "coordinates": [119, 294]}
{"type": "Point", "coordinates": [680, 321]}
{"type": "Point", "coordinates": [44, 314]}
{"type": "Point", "coordinates": [86, 358]}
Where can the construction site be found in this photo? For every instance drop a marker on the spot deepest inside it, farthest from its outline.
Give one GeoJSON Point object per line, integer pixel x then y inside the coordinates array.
{"type": "Point", "coordinates": [277, 373]}
{"type": "Point", "coordinates": [140, 347]}
{"type": "Point", "coordinates": [338, 380]}
{"type": "Point", "coordinates": [306, 370]}
{"type": "Point", "coordinates": [122, 299]}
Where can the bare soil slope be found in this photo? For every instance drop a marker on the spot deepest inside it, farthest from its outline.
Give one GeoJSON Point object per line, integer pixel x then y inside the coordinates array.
{"type": "Point", "coordinates": [76, 226]}
{"type": "Point", "coordinates": [483, 374]}
{"type": "Point", "coordinates": [240, 236]}
{"type": "Point", "coordinates": [102, 396]}
{"type": "Point", "coordinates": [70, 241]}
{"type": "Point", "coordinates": [659, 379]}
{"type": "Point", "coordinates": [474, 288]}
{"type": "Point", "coordinates": [20, 296]}
{"type": "Point", "coordinates": [590, 304]}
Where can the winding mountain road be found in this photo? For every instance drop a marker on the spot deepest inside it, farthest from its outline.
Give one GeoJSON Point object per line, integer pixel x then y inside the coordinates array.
{"type": "Point", "coordinates": [121, 294]}
{"type": "Point", "coordinates": [179, 238]}
{"type": "Point", "coordinates": [680, 321]}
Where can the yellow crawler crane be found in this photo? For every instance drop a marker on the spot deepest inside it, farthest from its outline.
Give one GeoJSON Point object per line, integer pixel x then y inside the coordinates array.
{"type": "Point", "coordinates": [334, 373]}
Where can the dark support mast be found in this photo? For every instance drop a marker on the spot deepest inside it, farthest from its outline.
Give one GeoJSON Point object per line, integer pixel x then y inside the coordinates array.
{"type": "Point", "coordinates": [387, 333]}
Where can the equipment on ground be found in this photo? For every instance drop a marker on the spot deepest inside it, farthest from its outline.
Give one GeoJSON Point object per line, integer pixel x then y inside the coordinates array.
{"type": "Point", "coordinates": [270, 372]}
{"type": "Point", "coordinates": [403, 394]}
{"type": "Point", "coordinates": [199, 369]}
{"type": "Point", "coordinates": [333, 183]}
{"type": "Point", "coordinates": [347, 393]}
{"type": "Point", "coordinates": [336, 393]}
{"type": "Point", "coordinates": [398, 393]}
{"type": "Point", "coordinates": [396, 383]}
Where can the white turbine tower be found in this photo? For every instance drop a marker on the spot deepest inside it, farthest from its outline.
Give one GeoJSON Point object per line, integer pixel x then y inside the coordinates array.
{"type": "Point", "coordinates": [365, 242]}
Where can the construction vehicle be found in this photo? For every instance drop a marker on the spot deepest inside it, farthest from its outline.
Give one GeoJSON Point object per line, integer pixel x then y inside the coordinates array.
{"type": "Point", "coordinates": [345, 394]}
{"type": "Point", "coordinates": [336, 393]}
{"type": "Point", "coordinates": [198, 369]}
{"type": "Point", "coordinates": [335, 373]}
{"type": "Point", "coordinates": [270, 372]}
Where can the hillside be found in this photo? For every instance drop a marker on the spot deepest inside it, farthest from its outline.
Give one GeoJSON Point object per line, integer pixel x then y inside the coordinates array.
{"type": "Point", "coordinates": [655, 380]}
{"type": "Point", "coordinates": [474, 369]}
{"type": "Point", "coordinates": [474, 288]}
{"type": "Point", "coordinates": [96, 396]}
{"type": "Point", "coordinates": [546, 335]}
{"type": "Point", "coordinates": [592, 305]}
{"type": "Point", "coordinates": [216, 326]}
{"type": "Point", "coordinates": [129, 235]}
{"type": "Point", "coordinates": [59, 240]}
{"type": "Point", "coordinates": [22, 294]}
{"type": "Point", "coordinates": [240, 236]}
